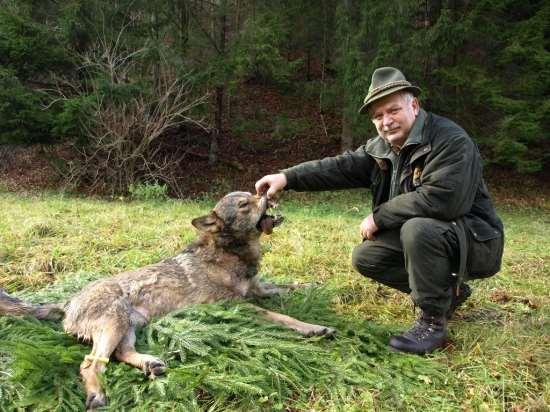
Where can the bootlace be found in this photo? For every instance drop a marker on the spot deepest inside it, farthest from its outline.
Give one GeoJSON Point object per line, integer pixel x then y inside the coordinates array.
{"type": "Point", "coordinates": [423, 327]}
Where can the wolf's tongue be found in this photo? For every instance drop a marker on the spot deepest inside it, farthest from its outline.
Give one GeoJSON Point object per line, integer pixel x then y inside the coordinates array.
{"type": "Point", "coordinates": [267, 224]}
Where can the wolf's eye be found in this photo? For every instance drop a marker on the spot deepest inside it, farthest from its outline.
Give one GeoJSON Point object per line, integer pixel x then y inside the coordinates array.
{"type": "Point", "coordinates": [243, 204]}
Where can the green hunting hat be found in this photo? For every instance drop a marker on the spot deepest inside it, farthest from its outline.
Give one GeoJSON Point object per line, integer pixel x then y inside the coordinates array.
{"type": "Point", "coordinates": [385, 81]}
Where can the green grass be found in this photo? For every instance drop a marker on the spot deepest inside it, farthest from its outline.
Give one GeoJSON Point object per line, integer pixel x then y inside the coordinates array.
{"type": "Point", "coordinates": [223, 357]}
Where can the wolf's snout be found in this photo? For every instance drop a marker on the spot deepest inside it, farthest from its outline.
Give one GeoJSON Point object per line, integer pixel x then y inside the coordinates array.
{"type": "Point", "coordinates": [268, 222]}
{"type": "Point", "coordinates": [272, 203]}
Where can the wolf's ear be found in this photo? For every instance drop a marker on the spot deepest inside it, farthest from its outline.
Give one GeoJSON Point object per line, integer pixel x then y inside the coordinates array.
{"type": "Point", "coordinates": [209, 223]}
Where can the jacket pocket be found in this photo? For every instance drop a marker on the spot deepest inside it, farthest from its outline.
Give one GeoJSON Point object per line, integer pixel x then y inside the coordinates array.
{"type": "Point", "coordinates": [485, 248]}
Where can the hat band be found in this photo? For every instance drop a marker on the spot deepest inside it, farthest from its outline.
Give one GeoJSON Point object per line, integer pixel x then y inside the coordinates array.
{"type": "Point", "coordinates": [385, 87]}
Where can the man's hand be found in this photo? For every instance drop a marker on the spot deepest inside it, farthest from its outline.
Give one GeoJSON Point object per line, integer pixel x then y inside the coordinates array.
{"type": "Point", "coordinates": [368, 228]}
{"type": "Point", "coordinates": [272, 183]}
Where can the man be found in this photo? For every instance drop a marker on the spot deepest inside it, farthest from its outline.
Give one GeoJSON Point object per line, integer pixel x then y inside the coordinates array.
{"type": "Point", "coordinates": [432, 226]}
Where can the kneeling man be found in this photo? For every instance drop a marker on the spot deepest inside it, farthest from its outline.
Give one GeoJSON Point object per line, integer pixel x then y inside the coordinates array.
{"type": "Point", "coordinates": [433, 225]}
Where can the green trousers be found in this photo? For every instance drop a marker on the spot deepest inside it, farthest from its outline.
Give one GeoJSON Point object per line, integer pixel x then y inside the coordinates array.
{"type": "Point", "coordinates": [419, 258]}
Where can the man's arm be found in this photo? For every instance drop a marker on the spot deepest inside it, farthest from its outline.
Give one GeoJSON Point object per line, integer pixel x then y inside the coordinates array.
{"type": "Point", "coordinates": [449, 183]}
{"type": "Point", "coordinates": [346, 171]}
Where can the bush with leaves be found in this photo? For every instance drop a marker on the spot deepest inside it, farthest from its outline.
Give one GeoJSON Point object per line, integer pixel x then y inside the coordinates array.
{"type": "Point", "coordinates": [151, 191]}
{"type": "Point", "coordinates": [29, 51]}
{"type": "Point", "coordinates": [124, 120]}
{"type": "Point", "coordinates": [27, 46]}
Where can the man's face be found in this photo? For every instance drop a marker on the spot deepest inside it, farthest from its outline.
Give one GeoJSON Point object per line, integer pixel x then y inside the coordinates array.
{"type": "Point", "coordinates": [393, 116]}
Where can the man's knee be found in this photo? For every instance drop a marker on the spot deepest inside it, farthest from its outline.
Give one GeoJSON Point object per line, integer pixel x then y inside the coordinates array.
{"type": "Point", "coordinates": [426, 238]}
{"type": "Point", "coordinates": [382, 264]}
{"type": "Point", "coordinates": [418, 230]}
{"type": "Point", "coordinates": [372, 260]}
{"type": "Point", "coordinates": [361, 262]}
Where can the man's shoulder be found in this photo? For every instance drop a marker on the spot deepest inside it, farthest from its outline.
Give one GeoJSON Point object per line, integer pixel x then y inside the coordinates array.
{"type": "Point", "coordinates": [444, 126]}
{"type": "Point", "coordinates": [444, 134]}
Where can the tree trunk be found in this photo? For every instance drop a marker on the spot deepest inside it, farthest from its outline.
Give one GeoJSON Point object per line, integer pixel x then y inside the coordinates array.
{"type": "Point", "coordinates": [183, 25]}
{"type": "Point", "coordinates": [218, 121]}
{"type": "Point", "coordinates": [220, 91]}
{"type": "Point", "coordinates": [346, 138]}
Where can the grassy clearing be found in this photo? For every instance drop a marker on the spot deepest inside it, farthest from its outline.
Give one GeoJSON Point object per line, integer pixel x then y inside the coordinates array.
{"type": "Point", "coordinates": [222, 357]}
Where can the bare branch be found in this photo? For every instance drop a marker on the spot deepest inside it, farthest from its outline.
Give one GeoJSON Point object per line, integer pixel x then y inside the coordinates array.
{"type": "Point", "coordinates": [129, 141]}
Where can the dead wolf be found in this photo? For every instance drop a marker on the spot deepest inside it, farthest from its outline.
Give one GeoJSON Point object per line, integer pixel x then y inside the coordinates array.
{"type": "Point", "coordinates": [221, 264]}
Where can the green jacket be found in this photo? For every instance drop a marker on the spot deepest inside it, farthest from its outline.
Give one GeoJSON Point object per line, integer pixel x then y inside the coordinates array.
{"type": "Point", "coordinates": [437, 174]}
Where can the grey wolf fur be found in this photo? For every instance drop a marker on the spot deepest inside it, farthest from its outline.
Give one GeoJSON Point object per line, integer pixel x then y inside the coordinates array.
{"type": "Point", "coordinates": [221, 264]}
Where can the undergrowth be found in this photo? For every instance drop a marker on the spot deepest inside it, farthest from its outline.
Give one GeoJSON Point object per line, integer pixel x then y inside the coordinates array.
{"type": "Point", "coordinates": [225, 357]}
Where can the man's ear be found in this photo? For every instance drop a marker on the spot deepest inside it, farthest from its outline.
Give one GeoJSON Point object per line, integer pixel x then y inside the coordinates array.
{"type": "Point", "coordinates": [416, 106]}
{"type": "Point", "coordinates": [209, 223]}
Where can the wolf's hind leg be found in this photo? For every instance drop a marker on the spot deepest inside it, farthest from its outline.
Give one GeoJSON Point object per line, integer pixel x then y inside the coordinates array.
{"type": "Point", "coordinates": [126, 352]}
{"type": "Point", "coordinates": [266, 289]}
{"type": "Point", "coordinates": [306, 329]}
{"type": "Point", "coordinates": [105, 340]}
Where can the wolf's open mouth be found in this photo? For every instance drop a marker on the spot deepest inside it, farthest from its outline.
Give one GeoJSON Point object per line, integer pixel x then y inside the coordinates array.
{"type": "Point", "coordinates": [268, 222]}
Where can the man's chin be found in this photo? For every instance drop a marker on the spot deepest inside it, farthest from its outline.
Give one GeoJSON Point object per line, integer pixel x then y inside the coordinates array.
{"type": "Point", "coordinates": [394, 139]}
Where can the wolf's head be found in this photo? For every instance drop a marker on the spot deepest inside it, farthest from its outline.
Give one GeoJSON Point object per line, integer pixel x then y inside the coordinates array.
{"type": "Point", "coordinates": [239, 215]}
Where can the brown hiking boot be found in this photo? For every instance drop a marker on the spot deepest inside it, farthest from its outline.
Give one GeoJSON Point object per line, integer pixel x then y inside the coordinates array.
{"type": "Point", "coordinates": [457, 299]}
{"type": "Point", "coordinates": [428, 333]}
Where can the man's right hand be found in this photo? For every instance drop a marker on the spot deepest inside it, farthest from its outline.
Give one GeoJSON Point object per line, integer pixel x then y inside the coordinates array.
{"type": "Point", "coordinates": [272, 183]}
{"type": "Point", "coordinates": [368, 227]}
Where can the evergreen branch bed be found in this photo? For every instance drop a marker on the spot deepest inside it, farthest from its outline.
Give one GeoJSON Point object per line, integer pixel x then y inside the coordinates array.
{"type": "Point", "coordinates": [219, 357]}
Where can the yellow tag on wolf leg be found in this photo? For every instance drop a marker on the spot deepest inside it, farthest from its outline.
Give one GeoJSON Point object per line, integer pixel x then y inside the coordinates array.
{"type": "Point", "coordinates": [91, 358]}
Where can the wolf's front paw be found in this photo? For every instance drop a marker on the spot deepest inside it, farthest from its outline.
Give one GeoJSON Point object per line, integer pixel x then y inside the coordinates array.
{"type": "Point", "coordinates": [153, 368]}
{"type": "Point", "coordinates": [321, 331]}
{"type": "Point", "coordinates": [95, 400]}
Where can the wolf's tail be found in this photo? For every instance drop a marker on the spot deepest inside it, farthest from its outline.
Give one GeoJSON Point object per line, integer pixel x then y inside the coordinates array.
{"type": "Point", "coordinates": [16, 307]}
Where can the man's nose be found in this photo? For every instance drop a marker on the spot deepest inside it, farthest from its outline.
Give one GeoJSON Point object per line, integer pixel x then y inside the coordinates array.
{"type": "Point", "coordinates": [387, 120]}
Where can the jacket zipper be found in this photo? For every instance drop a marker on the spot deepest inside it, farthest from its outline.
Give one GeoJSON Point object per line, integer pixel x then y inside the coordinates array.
{"type": "Point", "coordinates": [394, 188]}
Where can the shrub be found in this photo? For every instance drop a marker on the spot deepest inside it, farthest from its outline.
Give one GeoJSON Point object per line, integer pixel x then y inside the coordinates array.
{"type": "Point", "coordinates": [74, 118]}
{"type": "Point", "coordinates": [286, 129]}
{"type": "Point", "coordinates": [130, 126]}
{"type": "Point", "coordinates": [148, 191]}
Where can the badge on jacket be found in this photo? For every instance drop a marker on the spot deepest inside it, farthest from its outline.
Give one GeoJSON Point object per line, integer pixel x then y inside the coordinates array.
{"type": "Point", "coordinates": [417, 174]}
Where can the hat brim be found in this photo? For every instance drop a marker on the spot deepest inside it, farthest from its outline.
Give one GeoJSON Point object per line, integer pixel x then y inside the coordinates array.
{"type": "Point", "coordinates": [413, 89]}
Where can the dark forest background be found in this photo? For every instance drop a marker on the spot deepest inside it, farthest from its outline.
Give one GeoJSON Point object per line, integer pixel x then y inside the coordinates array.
{"type": "Point", "coordinates": [119, 93]}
